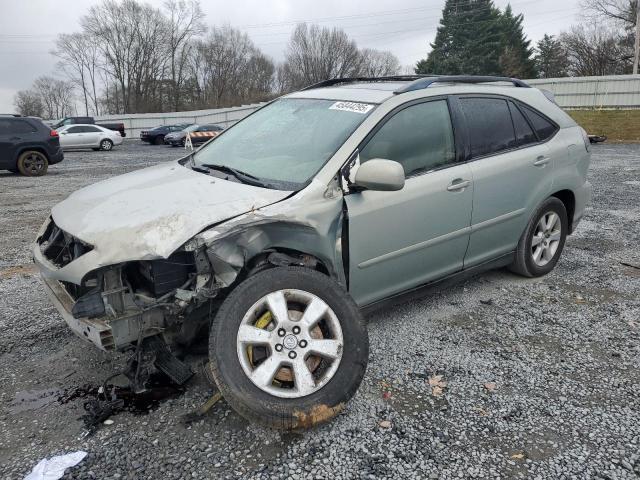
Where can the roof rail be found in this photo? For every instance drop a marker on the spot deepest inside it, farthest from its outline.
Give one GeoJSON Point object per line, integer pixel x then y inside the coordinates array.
{"type": "Point", "coordinates": [426, 82]}
{"type": "Point", "coordinates": [336, 81]}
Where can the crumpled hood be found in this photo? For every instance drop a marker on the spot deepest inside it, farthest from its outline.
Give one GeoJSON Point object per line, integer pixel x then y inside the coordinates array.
{"type": "Point", "coordinates": [151, 212]}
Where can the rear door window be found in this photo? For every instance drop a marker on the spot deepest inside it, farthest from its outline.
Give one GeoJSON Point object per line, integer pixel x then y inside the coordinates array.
{"type": "Point", "coordinates": [543, 127]}
{"type": "Point", "coordinates": [75, 130]}
{"type": "Point", "coordinates": [489, 125]}
{"type": "Point", "coordinates": [18, 127]}
{"type": "Point", "coordinates": [419, 137]}
{"type": "Point", "coordinates": [524, 133]}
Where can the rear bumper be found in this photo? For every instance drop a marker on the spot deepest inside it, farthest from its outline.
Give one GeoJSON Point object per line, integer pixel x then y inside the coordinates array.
{"type": "Point", "coordinates": [583, 197]}
{"type": "Point", "coordinates": [56, 157]}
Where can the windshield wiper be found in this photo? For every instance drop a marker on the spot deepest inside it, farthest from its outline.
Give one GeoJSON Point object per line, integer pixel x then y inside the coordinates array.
{"type": "Point", "coordinates": [240, 175]}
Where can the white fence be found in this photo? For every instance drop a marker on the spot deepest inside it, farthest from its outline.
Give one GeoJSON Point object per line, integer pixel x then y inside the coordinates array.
{"type": "Point", "coordinates": [134, 123]}
{"type": "Point", "coordinates": [608, 92]}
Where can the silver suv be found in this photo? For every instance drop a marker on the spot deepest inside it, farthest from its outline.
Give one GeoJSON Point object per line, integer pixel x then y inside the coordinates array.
{"type": "Point", "coordinates": [275, 235]}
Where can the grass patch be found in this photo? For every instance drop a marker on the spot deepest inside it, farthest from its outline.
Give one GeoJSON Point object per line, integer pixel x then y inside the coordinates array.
{"type": "Point", "coordinates": [618, 125]}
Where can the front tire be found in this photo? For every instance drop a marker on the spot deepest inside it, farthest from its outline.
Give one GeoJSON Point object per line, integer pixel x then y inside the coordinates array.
{"type": "Point", "coordinates": [542, 242]}
{"type": "Point", "coordinates": [106, 145]}
{"type": "Point", "coordinates": [288, 348]}
{"type": "Point", "coordinates": [33, 164]}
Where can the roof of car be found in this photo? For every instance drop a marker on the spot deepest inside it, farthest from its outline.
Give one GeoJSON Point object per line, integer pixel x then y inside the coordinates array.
{"type": "Point", "coordinates": [378, 90]}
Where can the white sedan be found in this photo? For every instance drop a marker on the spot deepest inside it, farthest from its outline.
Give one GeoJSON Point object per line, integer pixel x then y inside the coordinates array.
{"type": "Point", "coordinates": [88, 136]}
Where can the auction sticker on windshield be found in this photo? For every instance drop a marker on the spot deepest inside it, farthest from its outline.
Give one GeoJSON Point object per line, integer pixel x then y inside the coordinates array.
{"type": "Point", "coordinates": [354, 107]}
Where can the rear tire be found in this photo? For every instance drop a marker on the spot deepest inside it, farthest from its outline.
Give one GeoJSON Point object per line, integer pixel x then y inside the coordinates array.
{"type": "Point", "coordinates": [106, 145]}
{"type": "Point", "coordinates": [301, 388]}
{"type": "Point", "coordinates": [542, 242]}
{"type": "Point", "coordinates": [32, 164]}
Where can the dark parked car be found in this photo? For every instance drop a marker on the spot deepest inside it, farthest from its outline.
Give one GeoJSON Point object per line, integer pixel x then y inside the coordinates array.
{"type": "Point", "coordinates": [156, 135]}
{"type": "Point", "coordinates": [28, 146]}
{"type": "Point", "coordinates": [198, 133]}
{"type": "Point", "coordinates": [115, 126]}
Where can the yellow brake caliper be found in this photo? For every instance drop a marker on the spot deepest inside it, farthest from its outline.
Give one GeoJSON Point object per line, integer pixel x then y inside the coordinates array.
{"type": "Point", "coordinates": [262, 323]}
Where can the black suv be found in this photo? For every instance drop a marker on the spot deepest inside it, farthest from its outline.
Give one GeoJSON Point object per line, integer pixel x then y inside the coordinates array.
{"type": "Point", "coordinates": [28, 146]}
{"type": "Point", "coordinates": [156, 135]}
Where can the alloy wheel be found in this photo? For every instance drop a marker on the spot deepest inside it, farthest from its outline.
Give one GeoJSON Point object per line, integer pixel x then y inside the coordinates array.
{"type": "Point", "coordinates": [34, 163]}
{"type": "Point", "coordinates": [546, 238]}
{"type": "Point", "coordinates": [290, 343]}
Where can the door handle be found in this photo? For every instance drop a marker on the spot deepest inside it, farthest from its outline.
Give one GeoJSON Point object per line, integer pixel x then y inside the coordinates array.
{"type": "Point", "coordinates": [458, 184]}
{"type": "Point", "coordinates": [541, 161]}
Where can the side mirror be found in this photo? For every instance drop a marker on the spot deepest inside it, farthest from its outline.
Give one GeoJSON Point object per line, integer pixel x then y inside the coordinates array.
{"type": "Point", "coordinates": [381, 175]}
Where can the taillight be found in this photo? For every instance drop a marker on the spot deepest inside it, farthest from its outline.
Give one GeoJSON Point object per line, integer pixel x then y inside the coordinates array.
{"type": "Point", "coordinates": [53, 133]}
{"type": "Point", "coordinates": [585, 137]}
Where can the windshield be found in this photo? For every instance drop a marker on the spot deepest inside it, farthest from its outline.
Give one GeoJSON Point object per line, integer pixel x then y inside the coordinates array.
{"type": "Point", "coordinates": [286, 142]}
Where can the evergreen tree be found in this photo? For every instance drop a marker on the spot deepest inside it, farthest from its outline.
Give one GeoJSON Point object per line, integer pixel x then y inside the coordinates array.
{"type": "Point", "coordinates": [476, 38]}
{"type": "Point", "coordinates": [551, 59]}
{"type": "Point", "coordinates": [516, 56]}
{"type": "Point", "coordinates": [467, 41]}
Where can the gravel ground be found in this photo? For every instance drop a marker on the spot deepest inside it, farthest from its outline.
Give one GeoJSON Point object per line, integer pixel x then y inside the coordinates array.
{"type": "Point", "coordinates": [496, 377]}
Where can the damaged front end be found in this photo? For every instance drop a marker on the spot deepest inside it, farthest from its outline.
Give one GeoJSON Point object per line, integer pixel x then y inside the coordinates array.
{"type": "Point", "coordinates": [117, 306]}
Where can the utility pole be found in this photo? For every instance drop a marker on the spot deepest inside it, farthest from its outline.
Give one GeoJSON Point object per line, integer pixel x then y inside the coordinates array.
{"type": "Point", "coordinates": [636, 57]}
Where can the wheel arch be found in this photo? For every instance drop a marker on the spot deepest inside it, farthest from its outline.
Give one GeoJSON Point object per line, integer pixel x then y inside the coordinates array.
{"type": "Point", "coordinates": [282, 256]}
{"type": "Point", "coordinates": [30, 148]}
{"type": "Point", "coordinates": [262, 245]}
{"type": "Point", "coordinates": [568, 198]}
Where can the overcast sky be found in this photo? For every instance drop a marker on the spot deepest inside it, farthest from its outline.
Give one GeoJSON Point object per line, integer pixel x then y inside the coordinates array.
{"type": "Point", "coordinates": [405, 27]}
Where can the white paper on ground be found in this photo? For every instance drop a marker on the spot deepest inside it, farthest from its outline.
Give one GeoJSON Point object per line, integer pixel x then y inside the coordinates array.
{"type": "Point", "coordinates": [54, 467]}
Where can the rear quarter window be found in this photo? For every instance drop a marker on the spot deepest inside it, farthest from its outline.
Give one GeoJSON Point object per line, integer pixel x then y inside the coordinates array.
{"type": "Point", "coordinates": [543, 127]}
{"type": "Point", "coordinates": [524, 133]}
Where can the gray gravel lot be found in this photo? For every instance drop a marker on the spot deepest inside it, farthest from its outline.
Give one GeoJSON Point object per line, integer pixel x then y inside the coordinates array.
{"type": "Point", "coordinates": [538, 378]}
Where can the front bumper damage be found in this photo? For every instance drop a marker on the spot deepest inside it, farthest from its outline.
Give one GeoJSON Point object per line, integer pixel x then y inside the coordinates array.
{"type": "Point", "coordinates": [117, 306]}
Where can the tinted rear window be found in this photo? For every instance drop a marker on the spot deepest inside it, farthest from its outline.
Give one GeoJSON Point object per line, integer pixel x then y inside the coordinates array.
{"type": "Point", "coordinates": [489, 124]}
{"type": "Point", "coordinates": [9, 126]}
{"type": "Point", "coordinates": [543, 127]}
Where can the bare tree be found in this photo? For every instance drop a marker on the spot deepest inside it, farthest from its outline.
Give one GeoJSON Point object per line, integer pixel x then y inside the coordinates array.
{"type": "Point", "coordinates": [132, 38]}
{"type": "Point", "coordinates": [28, 103]}
{"type": "Point", "coordinates": [376, 63]}
{"type": "Point", "coordinates": [619, 11]}
{"type": "Point", "coordinates": [57, 96]}
{"type": "Point", "coordinates": [228, 69]}
{"type": "Point", "coordinates": [595, 50]}
{"type": "Point", "coordinates": [184, 24]}
{"type": "Point", "coordinates": [318, 53]}
{"type": "Point", "coordinates": [79, 59]}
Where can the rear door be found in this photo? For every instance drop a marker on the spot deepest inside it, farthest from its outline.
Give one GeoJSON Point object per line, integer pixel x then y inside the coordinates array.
{"type": "Point", "coordinates": [512, 174]}
{"type": "Point", "coordinates": [399, 240]}
{"type": "Point", "coordinates": [92, 136]}
{"type": "Point", "coordinates": [14, 132]}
